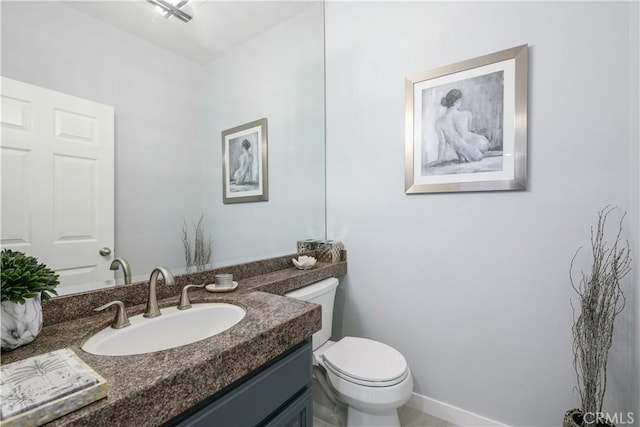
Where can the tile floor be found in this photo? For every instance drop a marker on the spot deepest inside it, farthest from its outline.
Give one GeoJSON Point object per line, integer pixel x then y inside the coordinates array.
{"type": "Point", "coordinates": [408, 418]}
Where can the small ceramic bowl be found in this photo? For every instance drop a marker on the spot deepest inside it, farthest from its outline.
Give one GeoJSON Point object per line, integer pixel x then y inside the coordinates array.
{"type": "Point", "coordinates": [223, 279]}
{"type": "Point", "coordinates": [304, 262]}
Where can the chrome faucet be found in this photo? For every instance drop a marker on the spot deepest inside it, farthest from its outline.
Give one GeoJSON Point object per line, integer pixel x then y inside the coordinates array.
{"type": "Point", "coordinates": [152, 304]}
{"type": "Point", "coordinates": [126, 269]}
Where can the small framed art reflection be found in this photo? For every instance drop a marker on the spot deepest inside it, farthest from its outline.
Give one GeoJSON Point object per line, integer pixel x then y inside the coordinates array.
{"type": "Point", "coordinates": [244, 158]}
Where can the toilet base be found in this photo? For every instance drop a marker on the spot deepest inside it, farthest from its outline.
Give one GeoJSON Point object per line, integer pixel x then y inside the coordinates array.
{"type": "Point", "coordinates": [388, 418]}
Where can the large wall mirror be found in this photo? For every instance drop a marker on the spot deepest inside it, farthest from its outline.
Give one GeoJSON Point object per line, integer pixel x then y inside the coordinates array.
{"type": "Point", "coordinates": [175, 87]}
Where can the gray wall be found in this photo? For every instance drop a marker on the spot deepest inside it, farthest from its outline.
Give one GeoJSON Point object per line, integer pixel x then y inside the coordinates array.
{"type": "Point", "coordinates": [473, 287]}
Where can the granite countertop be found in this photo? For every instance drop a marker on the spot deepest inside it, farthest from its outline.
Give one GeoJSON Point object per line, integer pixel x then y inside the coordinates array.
{"type": "Point", "coordinates": [149, 389]}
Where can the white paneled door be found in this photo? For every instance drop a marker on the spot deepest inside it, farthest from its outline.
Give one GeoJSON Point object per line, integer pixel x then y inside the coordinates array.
{"type": "Point", "coordinates": [58, 182]}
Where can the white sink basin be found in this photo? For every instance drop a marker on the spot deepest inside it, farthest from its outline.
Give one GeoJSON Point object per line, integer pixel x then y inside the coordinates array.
{"type": "Point", "coordinates": [173, 328]}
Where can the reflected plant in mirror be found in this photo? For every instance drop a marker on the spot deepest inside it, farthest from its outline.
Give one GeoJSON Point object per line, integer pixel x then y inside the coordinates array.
{"type": "Point", "coordinates": [197, 252]}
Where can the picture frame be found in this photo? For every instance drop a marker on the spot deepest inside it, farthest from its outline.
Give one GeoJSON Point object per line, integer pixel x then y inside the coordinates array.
{"type": "Point", "coordinates": [466, 125]}
{"type": "Point", "coordinates": [244, 163]}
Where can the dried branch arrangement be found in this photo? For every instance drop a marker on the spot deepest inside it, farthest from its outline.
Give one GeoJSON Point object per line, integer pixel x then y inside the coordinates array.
{"type": "Point", "coordinates": [601, 300]}
{"type": "Point", "coordinates": [200, 256]}
{"type": "Point", "coordinates": [188, 259]}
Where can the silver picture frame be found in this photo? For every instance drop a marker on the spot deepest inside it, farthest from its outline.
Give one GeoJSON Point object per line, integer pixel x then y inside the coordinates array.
{"type": "Point", "coordinates": [244, 163]}
{"type": "Point", "coordinates": [466, 125]}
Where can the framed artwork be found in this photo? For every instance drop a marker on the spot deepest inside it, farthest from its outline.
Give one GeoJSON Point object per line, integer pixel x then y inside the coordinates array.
{"type": "Point", "coordinates": [244, 163]}
{"type": "Point", "coordinates": [466, 125]}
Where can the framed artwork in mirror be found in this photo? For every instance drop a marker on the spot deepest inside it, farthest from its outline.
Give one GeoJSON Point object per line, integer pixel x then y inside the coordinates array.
{"type": "Point", "coordinates": [244, 163]}
{"type": "Point", "coordinates": [466, 125]}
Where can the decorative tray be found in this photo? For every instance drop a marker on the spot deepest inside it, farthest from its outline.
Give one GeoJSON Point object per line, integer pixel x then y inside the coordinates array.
{"type": "Point", "coordinates": [42, 388]}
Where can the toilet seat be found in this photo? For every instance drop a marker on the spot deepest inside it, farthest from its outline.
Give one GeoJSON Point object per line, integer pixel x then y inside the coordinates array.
{"type": "Point", "coordinates": [366, 362]}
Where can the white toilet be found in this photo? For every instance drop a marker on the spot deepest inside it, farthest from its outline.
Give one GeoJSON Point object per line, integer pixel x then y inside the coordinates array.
{"type": "Point", "coordinates": [370, 377]}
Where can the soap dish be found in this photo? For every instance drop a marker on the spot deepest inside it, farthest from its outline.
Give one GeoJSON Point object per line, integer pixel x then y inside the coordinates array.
{"type": "Point", "coordinates": [304, 262]}
{"type": "Point", "coordinates": [212, 287]}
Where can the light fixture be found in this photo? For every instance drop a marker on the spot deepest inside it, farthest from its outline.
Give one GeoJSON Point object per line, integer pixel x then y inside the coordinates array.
{"type": "Point", "coordinates": [172, 10]}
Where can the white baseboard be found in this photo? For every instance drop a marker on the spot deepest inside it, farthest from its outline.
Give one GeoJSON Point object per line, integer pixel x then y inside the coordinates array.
{"type": "Point", "coordinates": [450, 413]}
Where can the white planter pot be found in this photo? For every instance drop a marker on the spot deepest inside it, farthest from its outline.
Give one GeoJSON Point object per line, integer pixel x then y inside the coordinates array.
{"type": "Point", "coordinates": [21, 323]}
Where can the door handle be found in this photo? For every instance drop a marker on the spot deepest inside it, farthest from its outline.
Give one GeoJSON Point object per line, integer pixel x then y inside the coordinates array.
{"type": "Point", "coordinates": [105, 251]}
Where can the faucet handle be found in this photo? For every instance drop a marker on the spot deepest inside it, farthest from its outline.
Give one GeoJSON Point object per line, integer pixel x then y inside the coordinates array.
{"type": "Point", "coordinates": [184, 297]}
{"type": "Point", "coordinates": [121, 320]}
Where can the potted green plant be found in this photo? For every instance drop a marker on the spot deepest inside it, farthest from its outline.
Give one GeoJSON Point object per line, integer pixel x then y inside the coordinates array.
{"type": "Point", "coordinates": [600, 301]}
{"type": "Point", "coordinates": [25, 283]}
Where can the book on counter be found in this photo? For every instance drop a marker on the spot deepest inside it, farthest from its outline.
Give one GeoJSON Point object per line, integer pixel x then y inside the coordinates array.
{"type": "Point", "coordinates": [39, 389]}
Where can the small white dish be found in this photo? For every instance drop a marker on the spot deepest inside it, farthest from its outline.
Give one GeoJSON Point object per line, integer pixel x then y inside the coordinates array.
{"type": "Point", "coordinates": [212, 287]}
{"type": "Point", "coordinates": [304, 262]}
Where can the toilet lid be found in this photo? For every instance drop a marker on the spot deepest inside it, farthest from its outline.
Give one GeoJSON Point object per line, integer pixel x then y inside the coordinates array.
{"type": "Point", "coordinates": [366, 361]}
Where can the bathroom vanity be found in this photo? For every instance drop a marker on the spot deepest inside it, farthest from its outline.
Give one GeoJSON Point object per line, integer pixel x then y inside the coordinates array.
{"type": "Point", "coordinates": [257, 372]}
{"type": "Point", "coordinates": [276, 394]}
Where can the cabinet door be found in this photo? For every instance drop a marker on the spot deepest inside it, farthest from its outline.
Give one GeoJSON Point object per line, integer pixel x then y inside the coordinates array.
{"type": "Point", "coordinates": [298, 413]}
{"type": "Point", "coordinates": [257, 398]}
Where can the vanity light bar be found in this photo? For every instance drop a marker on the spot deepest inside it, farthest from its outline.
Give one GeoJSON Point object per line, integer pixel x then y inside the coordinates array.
{"type": "Point", "coordinates": [179, 7]}
{"type": "Point", "coordinates": [172, 10]}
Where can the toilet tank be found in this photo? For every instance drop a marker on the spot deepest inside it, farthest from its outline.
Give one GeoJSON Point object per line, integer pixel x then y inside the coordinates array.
{"type": "Point", "coordinates": [323, 293]}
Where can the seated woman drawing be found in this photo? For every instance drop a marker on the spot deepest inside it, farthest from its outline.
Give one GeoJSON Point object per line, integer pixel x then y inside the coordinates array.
{"type": "Point", "coordinates": [456, 140]}
{"type": "Point", "coordinates": [243, 175]}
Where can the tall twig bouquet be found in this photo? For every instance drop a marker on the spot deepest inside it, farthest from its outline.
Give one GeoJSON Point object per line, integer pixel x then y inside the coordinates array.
{"type": "Point", "coordinates": [600, 300]}
{"type": "Point", "coordinates": [198, 254]}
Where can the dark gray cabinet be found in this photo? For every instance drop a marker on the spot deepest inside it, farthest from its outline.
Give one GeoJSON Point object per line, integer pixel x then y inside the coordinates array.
{"type": "Point", "coordinates": [276, 395]}
{"type": "Point", "coordinates": [296, 414]}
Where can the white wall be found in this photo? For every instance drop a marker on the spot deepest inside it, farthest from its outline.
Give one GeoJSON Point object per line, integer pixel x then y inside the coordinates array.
{"type": "Point", "coordinates": [159, 110]}
{"type": "Point", "coordinates": [277, 75]}
{"type": "Point", "coordinates": [473, 287]}
{"type": "Point", "coordinates": [634, 126]}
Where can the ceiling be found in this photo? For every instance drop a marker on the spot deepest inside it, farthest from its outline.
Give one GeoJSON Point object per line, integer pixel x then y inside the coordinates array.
{"type": "Point", "coordinates": [217, 26]}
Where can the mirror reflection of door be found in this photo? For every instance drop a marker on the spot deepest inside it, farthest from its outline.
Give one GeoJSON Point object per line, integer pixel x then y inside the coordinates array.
{"type": "Point", "coordinates": [58, 182]}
